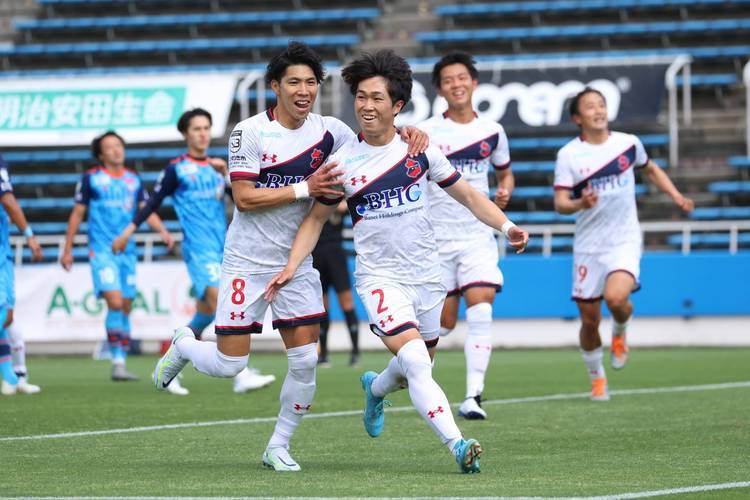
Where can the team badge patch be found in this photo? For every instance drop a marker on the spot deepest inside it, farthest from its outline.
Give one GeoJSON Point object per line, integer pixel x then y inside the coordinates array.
{"type": "Point", "coordinates": [316, 158]}
{"type": "Point", "coordinates": [235, 141]}
{"type": "Point", "coordinates": [484, 149]}
{"type": "Point", "coordinates": [413, 168]}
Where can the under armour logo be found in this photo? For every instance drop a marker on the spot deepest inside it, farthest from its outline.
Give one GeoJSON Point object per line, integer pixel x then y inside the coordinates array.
{"type": "Point", "coordinates": [433, 413]}
{"type": "Point", "coordinates": [413, 168]}
{"type": "Point", "coordinates": [389, 319]}
{"type": "Point", "coordinates": [269, 157]}
{"type": "Point", "coordinates": [484, 149]}
{"type": "Point", "coordinates": [233, 315]}
{"type": "Point", "coordinates": [486, 347]}
{"type": "Point", "coordinates": [316, 158]}
{"type": "Point", "coordinates": [361, 179]}
{"type": "Point", "coordinates": [299, 407]}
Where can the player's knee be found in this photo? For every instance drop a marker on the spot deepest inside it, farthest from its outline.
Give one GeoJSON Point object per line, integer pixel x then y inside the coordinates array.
{"type": "Point", "coordinates": [414, 359]}
{"type": "Point", "coordinates": [479, 313]}
{"type": "Point", "coordinates": [229, 366]}
{"type": "Point", "coordinates": [302, 362]}
{"type": "Point", "coordinates": [616, 302]}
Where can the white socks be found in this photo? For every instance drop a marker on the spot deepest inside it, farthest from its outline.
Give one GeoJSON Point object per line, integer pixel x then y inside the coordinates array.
{"type": "Point", "coordinates": [477, 347]}
{"type": "Point", "coordinates": [296, 393]}
{"type": "Point", "coordinates": [207, 358]}
{"type": "Point", "coordinates": [426, 395]}
{"type": "Point", "coordinates": [620, 328]}
{"type": "Point", "coordinates": [390, 380]}
{"type": "Point", "coordinates": [593, 360]}
{"type": "Point", "coordinates": [17, 349]}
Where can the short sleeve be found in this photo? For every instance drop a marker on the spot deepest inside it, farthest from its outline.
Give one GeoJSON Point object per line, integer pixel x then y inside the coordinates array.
{"type": "Point", "coordinates": [340, 131]}
{"type": "Point", "coordinates": [83, 190]}
{"type": "Point", "coordinates": [244, 157]}
{"type": "Point", "coordinates": [441, 170]}
{"type": "Point", "coordinates": [501, 155]}
{"type": "Point", "coordinates": [641, 157]}
{"type": "Point", "coordinates": [5, 185]}
{"type": "Point", "coordinates": [563, 172]}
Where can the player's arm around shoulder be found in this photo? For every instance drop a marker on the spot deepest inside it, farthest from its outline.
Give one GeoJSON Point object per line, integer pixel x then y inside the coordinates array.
{"type": "Point", "coordinates": [304, 243]}
{"type": "Point", "coordinates": [661, 180]}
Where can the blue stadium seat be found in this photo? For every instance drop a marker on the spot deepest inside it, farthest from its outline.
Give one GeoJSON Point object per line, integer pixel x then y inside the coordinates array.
{"type": "Point", "coordinates": [729, 187]}
{"type": "Point", "coordinates": [558, 142]}
{"type": "Point", "coordinates": [567, 6]}
{"type": "Point", "coordinates": [583, 31]}
{"type": "Point", "coordinates": [739, 162]}
{"type": "Point", "coordinates": [540, 217]}
{"type": "Point", "coordinates": [711, 80]}
{"type": "Point", "coordinates": [72, 155]}
{"type": "Point", "coordinates": [194, 45]}
{"type": "Point", "coordinates": [64, 179]}
{"type": "Point", "coordinates": [709, 239]}
{"type": "Point", "coordinates": [221, 18]}
{"type": "Point", "coordinates": [60, 227]}
{"type": "Point", "coordinates": [718, 213]}
{"type": "Point", "coordinates": [81, 253]}
{"type": "Point", "coordinates": [536, 192]}
{"type": "Point", "coordinates": [59, 203]}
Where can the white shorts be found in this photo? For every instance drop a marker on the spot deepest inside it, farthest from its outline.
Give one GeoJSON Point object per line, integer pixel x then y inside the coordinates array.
{"type": "Point", "coordinates": [468, 264]}
{"type": "Point", "coordinates": [591, 270]}
{"type": "Point", "coordinates": [241, 306]}
{"type": "Point", "coordinates": [393, 308]}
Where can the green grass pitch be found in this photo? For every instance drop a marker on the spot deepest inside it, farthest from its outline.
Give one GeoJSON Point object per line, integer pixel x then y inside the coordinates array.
{"type": "Point", "coordinates": [567, 447]}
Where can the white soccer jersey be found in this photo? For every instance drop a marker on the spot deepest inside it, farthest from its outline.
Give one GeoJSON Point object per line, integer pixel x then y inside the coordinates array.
{"type": "Point", "coordinates": [474, 149]}
{"type": "Point", "coordinates": [386, 192]}
{"type": "Point", "coordinates": [264, 151]}
{"type": "Point", "coordinates": [608, 169]}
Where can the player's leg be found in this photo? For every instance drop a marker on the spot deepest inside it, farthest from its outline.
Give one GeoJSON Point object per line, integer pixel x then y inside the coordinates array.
{"type": "Point", "coordinates": [623, 267]}
{"type": "Point", "coordinates": [205, 274]}
{"type": "Point", "coordinates": [298, 310]}
{"type": "Point", "coordinates": [325, 324]}
{"type": "Point", "coordinates": [449, 314]}
{"type": "Point", "coordinates": [18, 356]}
{"type": "Point", "coordinates": [343, 286]}
{"type": "Point", "coordinates": [239, 312]}
{"type": "Point", "coordinates": [321, 263]}
{"type": "Point", "coordinates": [477, 348]}
{"type": "Point", "coordinates": [9, 378]}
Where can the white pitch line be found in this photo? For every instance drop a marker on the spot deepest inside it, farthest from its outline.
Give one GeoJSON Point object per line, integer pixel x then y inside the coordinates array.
{"type": "Point", "coordinates": [615, 496]}
{"type": "Point", "coordinates": [349, 413]}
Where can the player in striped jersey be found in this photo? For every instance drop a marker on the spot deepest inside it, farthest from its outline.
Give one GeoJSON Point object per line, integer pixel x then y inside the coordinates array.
{"type": "Point", "coordinates": [475, 146]}
{"type": "Point", "coordinates": [594, 178]}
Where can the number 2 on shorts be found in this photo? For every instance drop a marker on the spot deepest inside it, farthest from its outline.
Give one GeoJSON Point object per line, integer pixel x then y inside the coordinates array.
{"type": "Point", "coordinates": [380, 294]}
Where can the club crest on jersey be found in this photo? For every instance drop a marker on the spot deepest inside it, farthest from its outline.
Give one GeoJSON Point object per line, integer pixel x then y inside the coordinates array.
{"type": "Point", "coordinates": [269, 157]}
{"type": "Point", "coordinates": [623, 162]}
{"type": "Point", "coordinates": [356, 180]}
{"type": "Point", "coordinates": [413, 168]}
{"type": "Point", "coordinates": [235, 141]}
{"type": "Point", "coordinates": [316, 158]}
{"type": "Point", "coordinates": [484, 149]}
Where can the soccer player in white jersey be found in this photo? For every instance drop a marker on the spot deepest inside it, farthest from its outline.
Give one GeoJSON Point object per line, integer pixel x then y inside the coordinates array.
{"type": "Point", "coordinates": [594, 177]}
{"type": "Point", "coordinates": [467, 248]}
{"type": "Point", "coordinates": [397, 272]}
{"type": "Point", "coordinates": [276, 167]}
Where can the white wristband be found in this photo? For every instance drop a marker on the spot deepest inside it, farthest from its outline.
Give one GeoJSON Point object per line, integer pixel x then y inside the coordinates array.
{"type": "Point", "coordinates": [506, 227]}
{"type": "Point", "coordinates": [301, 190]}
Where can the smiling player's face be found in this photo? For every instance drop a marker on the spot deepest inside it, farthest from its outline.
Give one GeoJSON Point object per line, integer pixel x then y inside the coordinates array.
{"type": "Point", "coordinates": [295, 95]}
{"type": "Point", "coordinates": [456, 85]}
{"type": "Point", "coordinates": [592, 113]}
{"type": "Point", "coordinates": [374, 108]}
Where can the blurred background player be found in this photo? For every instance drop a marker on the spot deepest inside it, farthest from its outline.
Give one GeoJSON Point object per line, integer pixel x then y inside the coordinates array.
{"type": "Point", "coordinates": [398, 275]}
{"type": "Point", "coordinates": [12, 347]}
{"type": "Point", "coordinates": [112, 194]}
{"type": "Point", "coordinates": [467, 248]}
{"type": "Point", "coordinates": [594, 177]}
{"type": "Point", "coordinates": [196, 183]}
{"type": "Point", "coordinates": [330, 260]}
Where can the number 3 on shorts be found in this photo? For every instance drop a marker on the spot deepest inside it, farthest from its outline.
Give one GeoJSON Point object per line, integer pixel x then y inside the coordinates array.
{"type": "Point", "coordinates": [381, 297]}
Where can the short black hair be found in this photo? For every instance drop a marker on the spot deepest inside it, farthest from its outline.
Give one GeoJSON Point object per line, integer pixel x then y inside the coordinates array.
{"type": "Point", "coordinates": [577, 98]}
{"type": "Point", "coordinates": [456, 57]}
{"type": "Point", "coordinates": [383, 63]}
{"type": "Point", "coordinates": [295, 53]}
{"type": "Point", "coordinates": [96, 144]}
{"type": "Point", "coordinates": [184, 122]}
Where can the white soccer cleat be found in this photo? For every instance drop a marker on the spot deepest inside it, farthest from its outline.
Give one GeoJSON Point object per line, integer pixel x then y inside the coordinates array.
{"type": "Point", "coordinates": [176, 388]}
{"type": "Point", "coordinates": [471, 410]}
{"type": "Point", "coordinates": [250, 379]}
{"type": "Point", "coordinates": [280, 460]}
{"type": "Point", "coordinates": [24, 387]}
{"type": "Point", "coordinates": [171, 364]}
{"type": "Point", "coordinates": [8, 389]}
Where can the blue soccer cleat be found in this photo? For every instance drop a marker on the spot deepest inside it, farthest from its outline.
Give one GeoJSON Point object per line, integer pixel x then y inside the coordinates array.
{"type": "Point", "coordinates": [467, 453]}
{"type": "Point", "coordinates": [374, 418]}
